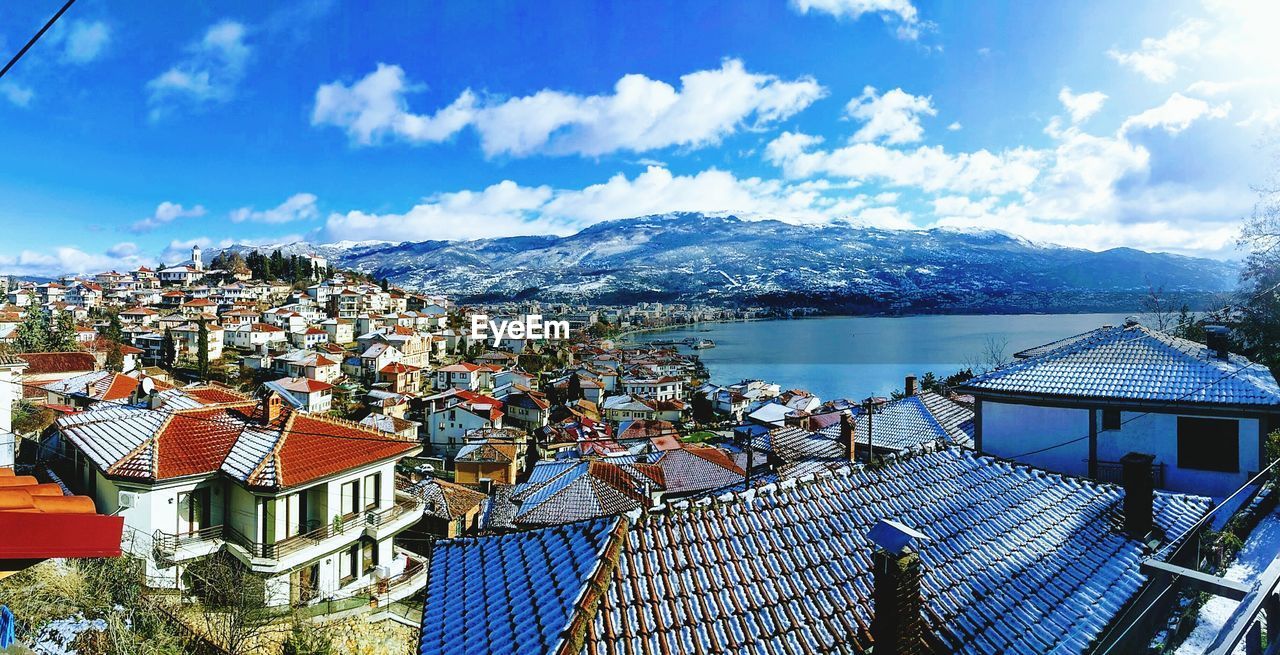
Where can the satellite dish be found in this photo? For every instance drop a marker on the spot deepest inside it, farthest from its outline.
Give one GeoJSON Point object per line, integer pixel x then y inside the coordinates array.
{"type": "Point", "coordinates": [148, 386]}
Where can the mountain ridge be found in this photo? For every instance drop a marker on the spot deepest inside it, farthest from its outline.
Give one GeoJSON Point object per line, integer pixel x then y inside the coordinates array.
{"type": "Point", "coordinates": [722, 259]}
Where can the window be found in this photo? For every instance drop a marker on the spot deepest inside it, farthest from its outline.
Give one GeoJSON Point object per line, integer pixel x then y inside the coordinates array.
{"type": "Point", "coordinates": [372, 490]}
{"type": "Point", "coordinates": [1110, 419]}
{"type": "Point", "coordinates": [351, 497]}
{"type": "Point", "coordinates": [1208, 444]}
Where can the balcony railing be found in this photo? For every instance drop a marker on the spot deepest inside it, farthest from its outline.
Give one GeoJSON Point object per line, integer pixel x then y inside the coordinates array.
{"type": "Point", "coordinates": [166, 545]}
{"type": "Point", "coordinates": [1113, 472]}
{"type": "Point", "coordinates": [347, 523]}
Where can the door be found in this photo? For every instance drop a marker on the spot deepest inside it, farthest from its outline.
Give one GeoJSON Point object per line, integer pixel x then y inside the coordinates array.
{"type": "Point", "coordinates": [193, 511]}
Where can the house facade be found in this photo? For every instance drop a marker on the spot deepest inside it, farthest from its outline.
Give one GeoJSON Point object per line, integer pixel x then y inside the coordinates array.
{"type": "Point", "coordinates": [283, 492]}
{"type": "Point", "coordinates": [1201, 412]}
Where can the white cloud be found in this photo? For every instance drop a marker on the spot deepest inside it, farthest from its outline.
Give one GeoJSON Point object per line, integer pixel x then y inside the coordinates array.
{"type": "Point", "coordinates": [298, 207]}
{"type": "Point", "coordinates": [179, 250]}
{"type": "Point", "coordinates": [929, 168]}
{"type": "Point", "coordinates": [892, 118]}
{"type": "Point", "coordinates": [1081, 106]}
{"type": "Point", "coordinates": [903, 11]}
{"type": "Point", "coordinates": [1175, 114]}
{"type": "Point", "coordinates": [123, 249]}
{"type": "Point", "coordinates": [955, 127]}
{"type": "Point", "coordinates": [16, 93]}
{"type": "Point", "coordinates": [640, 115]}
{"type": "Point", "coordinates": [507, 208]}
{"type": "Point", "coordinates": [85, 41]}
{"type": "Point", "coordinates": [210, 73]}
{"type": "Point", "coordinates": [66, 260]}
{"type": "Point", "coordinates": [1158, 59]}
{"type": "Point", "coordinates": [165, 213]}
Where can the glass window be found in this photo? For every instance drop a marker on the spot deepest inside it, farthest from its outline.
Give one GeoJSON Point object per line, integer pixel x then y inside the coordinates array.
{"type": "Point", "coordinates": [1208, 444]}
{"type": "Point", "coordinates": [372, 490]}
{"type": "Point", "coordinates": [1111, 419]}
{"type": "Point", "coordinates": [351, 497]}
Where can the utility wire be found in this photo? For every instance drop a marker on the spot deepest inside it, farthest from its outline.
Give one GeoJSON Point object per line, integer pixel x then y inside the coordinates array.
{"type": "Point", "coordinates": [35, 38]}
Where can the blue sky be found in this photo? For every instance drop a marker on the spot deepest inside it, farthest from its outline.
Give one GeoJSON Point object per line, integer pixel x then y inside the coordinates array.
{"type": "Point", "coordinates": [135, 129]}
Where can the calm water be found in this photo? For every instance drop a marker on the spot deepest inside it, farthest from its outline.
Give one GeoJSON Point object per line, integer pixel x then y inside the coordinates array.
{"type": "Point", "coordinates": [854, 357]}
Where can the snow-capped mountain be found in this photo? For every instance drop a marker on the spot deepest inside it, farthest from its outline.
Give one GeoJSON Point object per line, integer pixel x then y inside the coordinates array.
{"type": "Point", "coordinates": [698, 257]}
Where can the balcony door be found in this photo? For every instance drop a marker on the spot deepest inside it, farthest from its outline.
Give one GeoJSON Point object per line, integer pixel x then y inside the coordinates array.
{"type": "Point", "coordinates": [193, 511]}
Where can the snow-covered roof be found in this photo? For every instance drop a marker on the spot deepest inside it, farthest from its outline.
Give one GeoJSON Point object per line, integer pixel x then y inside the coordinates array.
{"type": "Point", "coordinates": [1135, 363]}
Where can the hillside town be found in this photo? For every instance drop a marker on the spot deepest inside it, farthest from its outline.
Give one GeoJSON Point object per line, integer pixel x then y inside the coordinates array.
{"type": "Point", "coordinates": [351, 453]}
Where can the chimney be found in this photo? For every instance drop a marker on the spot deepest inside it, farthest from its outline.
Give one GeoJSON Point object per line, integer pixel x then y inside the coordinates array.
{"type": "Point", "coordinates": [272, 405]}
{"type": "Point", "coordinates": [1139, 493]}
{"type": "Point", "coordinates": [897, 625]}
{"type": "Point", "coordinates": [1218, 338]}
{"type": "Point", "coordinates": [910, 386]}
{"type": "Point", "coordinates": [846, 435]}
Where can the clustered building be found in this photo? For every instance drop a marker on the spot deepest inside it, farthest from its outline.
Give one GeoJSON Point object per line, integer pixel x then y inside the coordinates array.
{"type": "Point", "coordinates": [363, 444]}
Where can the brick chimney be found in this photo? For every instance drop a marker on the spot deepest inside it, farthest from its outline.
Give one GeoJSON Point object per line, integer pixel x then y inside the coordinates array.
{"type": "Point", "coordinates": [272, 405]}
{"type": "Point", "coordinates": [1218, 338]}
{"type": "Point", "coordinates": [1139, 493]}
{"type": "Point", "coordinates": [897, 626]}
{"type": "Point", "coordinates": [909, 389]}
{"type": "Point", "coordinates": [846, 435]}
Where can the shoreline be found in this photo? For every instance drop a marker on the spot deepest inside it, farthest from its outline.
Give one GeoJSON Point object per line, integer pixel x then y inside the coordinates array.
{"type": "Point", "coordinates": [685, 326]}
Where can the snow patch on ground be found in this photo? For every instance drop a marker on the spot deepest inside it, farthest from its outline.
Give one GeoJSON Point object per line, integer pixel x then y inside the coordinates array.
{"type": "Point", "coordinates": [1262, 547]}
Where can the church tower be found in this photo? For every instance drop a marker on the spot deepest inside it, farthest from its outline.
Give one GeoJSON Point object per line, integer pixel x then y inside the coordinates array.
{"type": "Point", "coordinates": [195, 258]}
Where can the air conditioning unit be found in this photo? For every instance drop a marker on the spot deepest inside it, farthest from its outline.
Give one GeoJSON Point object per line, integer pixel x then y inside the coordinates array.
{"type": "Point", "coordinates": [129, 499]}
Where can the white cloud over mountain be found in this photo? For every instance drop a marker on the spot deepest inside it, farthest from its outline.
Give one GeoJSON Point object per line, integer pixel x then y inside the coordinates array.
{"type": "Point", "coordinates": [893, 117]}
{"type": "Point", "coordinates": [298, 207]}
{"type": "Point", "coordinates": [209, 73]}
{"type": "Point", "coordinates": [642, 114]}
{"type": "Point", "coordinates": [165, 213]}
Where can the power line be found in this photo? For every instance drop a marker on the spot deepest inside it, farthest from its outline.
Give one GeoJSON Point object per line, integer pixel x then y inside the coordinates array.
{"type": "Point", "coordinates": [35, 38]}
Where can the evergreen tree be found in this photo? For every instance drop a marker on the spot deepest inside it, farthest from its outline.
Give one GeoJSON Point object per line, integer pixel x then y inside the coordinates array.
{"type": "Point", "coordinates": [115, 359]}
{"type": "Point", "coordinates": [33, 333]}
{"type": "Point", "coordinates": [276, 268]}
{"type": "Point", "coordinates": [575, 388]}
{"type": "Point", "coordinates": [168, 349]}
{"type": "Point", "coordinates": [114, 331]}
{"type": "Point", "coordinates": [63, 338]}
{"type": "Point", "coordinates": [703, 411]}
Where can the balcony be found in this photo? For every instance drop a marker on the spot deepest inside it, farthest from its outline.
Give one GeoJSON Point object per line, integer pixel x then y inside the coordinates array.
{"type": "Point", "coordinates": [1113, 472]}
{"type": "Point", "coordinates": [167, 547]}
{"type": "Point", "coordinates": [400, 515]}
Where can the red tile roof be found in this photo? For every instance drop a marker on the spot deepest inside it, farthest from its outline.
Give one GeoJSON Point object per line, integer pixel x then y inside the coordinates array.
{"type": "Point", "coordinates": [313, 447]}
{"type": "Point", "coordinates": [213, 395]}
{"type": "Point", "coordinates": [197, 441]}
{"type": "Point", "coordinates": [46, 363]}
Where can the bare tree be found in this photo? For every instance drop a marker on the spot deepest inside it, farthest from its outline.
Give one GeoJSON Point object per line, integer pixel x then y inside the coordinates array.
{"type": "Point", "coordinates": [992, 356]}
{"type": "Point", "coordinates": [232, 608]}
{"type": "Point", "coordinates": [1158, 312]}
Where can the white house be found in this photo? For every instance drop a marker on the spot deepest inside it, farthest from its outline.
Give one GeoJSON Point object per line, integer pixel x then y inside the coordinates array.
{"type": "Point", "coordinates": [11, 369]}
{"type": "Point", "coordinates": [454, 413]}
{"type": "Point", "coordinates": [252, 336]}
{"type": "Point", "coordinates": [1077, 406]}
{"type": "Point", "coordinates": [285, 493]}
{"type": "Point", "coordinates": [305, 394]}
{"type": "Point", "coordinates": [660, 388]}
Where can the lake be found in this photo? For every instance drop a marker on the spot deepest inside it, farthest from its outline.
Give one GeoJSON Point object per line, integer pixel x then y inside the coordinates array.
{"type": "Point", "coordinates": [858, 356]}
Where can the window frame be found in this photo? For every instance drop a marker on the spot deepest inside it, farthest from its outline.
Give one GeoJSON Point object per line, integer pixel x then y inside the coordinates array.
{"type": "Point", "coordinates": [1193, 456]}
